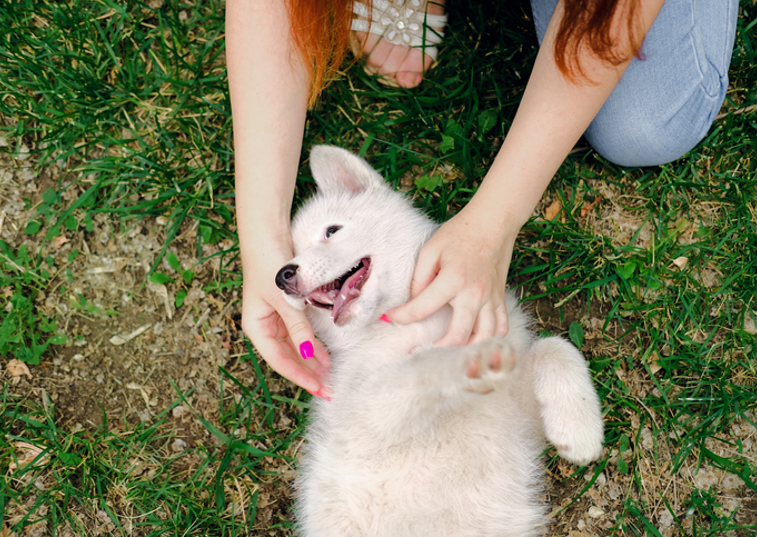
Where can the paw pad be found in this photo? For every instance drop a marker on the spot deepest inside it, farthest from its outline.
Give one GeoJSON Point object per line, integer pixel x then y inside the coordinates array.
{"type": "Point", "coordinates": [487, 363]}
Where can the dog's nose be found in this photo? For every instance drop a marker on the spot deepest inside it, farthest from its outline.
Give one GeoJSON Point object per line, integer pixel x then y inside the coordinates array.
{"type": "Point", "coordinates": [286, 278]}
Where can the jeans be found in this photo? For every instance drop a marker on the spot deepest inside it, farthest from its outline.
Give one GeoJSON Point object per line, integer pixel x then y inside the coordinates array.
{"type": "Point", "coordinates": [666, 102]}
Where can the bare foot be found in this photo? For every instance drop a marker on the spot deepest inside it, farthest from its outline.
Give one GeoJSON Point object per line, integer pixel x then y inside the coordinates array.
{"type": "Point", "coordinates": [400, 64]}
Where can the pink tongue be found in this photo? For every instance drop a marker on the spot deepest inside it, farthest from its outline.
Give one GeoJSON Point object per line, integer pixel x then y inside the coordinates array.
{"type": "Point", "coordinates": [347, 292]}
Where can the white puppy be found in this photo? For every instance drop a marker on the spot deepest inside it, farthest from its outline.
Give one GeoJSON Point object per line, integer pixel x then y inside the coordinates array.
{"type": "Point", "coordinates": [418, 440]}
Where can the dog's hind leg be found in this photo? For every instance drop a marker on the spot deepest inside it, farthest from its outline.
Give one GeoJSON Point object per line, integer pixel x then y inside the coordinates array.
{"type": "Point", "coordinates": [568, 403]}
{"type": "Point", "coordinates": [407, 396]}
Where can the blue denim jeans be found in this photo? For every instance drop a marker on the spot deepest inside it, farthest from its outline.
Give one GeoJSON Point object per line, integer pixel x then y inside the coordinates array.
{"type": "Point", "coordinates": [666, 102]}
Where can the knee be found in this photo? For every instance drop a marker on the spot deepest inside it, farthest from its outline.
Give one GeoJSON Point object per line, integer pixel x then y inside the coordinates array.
{"type": "Point", "coordinates": [642, 144]}
{"type": "Point", "coordinates": [651, 136]}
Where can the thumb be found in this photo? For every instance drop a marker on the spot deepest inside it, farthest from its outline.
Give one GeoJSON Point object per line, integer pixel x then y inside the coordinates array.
{"type": "Point", "coordinates": [425, 271]}
{"type": "Point", "coordinates": [300, 331]}
{"type": "Point", "coordinates": [433, 297]}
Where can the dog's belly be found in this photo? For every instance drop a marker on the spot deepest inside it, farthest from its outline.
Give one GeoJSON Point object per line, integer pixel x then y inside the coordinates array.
{"type": "Point", "coordinates": [472, 482]}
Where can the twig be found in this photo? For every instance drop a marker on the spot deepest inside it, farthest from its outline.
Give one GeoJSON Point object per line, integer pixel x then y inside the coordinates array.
{"type": "Point", "coordinates": [737, 111]}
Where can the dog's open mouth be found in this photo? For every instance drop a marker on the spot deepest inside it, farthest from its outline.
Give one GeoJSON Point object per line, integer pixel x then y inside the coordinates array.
{"type": "Point", "coordinates": [336, 295]}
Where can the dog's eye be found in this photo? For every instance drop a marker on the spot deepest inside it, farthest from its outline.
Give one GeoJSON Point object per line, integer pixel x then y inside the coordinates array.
{"type": "Point", "coordinates": [330, 231]}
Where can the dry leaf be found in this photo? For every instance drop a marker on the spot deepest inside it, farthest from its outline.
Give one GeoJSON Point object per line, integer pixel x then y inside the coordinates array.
{"type": "Point", "coordinates": [554, 209]}
{"type": "Point", "coordinates": [749, 326]}
{"type": "Point", "coordinates": [589, 206]}
{"type": "Point", "coordinates": [60, 241]}
{"type": "Point", "coordinates": [26, 453]}
{"type": "Point", "coordinates": [680, 262]}
{"type": "Point", "coordinates": [17, 368]}
{"type": "Point", "coordinates": [100, 270]}
{"type": "Point", "coordinates": [135, 386]}
{"type": "Point", "coordinates": [654, 362]}
{"type": "Point", "coordinates": [162, 292]}
{"type": "Point", "coordinates": [120, 339]}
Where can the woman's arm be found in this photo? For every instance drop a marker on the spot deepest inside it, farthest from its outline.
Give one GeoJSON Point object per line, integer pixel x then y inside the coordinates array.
{"type": "Point", "coordinates": [465, 263]}
{"type": "Point", "coordinates": [269, 91]}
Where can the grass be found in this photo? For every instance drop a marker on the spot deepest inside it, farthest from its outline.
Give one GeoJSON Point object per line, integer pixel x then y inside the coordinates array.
{"type": "Point", "coordinates": [132, 98]}
{"type": "Point", "coordinates": [126, 481]}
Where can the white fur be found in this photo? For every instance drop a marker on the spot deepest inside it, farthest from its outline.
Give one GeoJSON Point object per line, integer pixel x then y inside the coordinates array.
{"type": "Point", "coordinates": [410, 444]}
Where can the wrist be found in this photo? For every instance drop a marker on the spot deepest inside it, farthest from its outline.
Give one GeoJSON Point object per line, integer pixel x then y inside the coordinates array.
{"type": "Point", "coordinates": [497, 215]}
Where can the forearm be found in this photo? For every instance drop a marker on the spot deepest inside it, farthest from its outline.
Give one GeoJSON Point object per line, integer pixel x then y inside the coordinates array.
{"type": "Point", "coordinates": [551, 118]}
{"type": "Point", "coordinates": [268, 86]}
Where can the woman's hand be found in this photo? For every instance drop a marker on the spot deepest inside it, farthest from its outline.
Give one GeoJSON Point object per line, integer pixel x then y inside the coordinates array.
{"type": "Point", "coordinates": [465, 265]}
{"type": "Point", "coordinates": [281, 334]}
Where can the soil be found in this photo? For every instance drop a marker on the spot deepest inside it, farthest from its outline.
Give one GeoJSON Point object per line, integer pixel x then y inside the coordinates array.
{"type": "Point", "coordinates": [171, 351]}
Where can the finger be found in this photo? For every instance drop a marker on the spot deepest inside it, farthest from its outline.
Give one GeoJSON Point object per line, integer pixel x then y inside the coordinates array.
{"type": "Point", "coordinates": [283, 338]}
{"type": "Point", "coordinates": [282, 358]}
{"type": "Point", "coordinates": [315, 357]}
{"type": "Point", "coordinates": [299, 330]}
{"type": "Point", "coordinates": [485, 325]}
{"type": "Point", "coordinates": [429, 301]}
{"type": "Point", "coordinates": [464, 314]}
{"type": "Point", "coordinates": [425, 271]}
{"type": "Point", "coordinates": [322, 356]}
{"type": "Point", "coordinates": [502, 321]}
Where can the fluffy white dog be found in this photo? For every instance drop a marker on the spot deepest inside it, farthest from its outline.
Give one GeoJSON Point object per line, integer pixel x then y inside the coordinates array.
{"type": "Point", "coordinates": [419, 440]}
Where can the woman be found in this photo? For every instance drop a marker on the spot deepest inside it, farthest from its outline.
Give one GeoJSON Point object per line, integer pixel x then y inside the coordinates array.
{"type": "Point", "coordinates": [672, 87]}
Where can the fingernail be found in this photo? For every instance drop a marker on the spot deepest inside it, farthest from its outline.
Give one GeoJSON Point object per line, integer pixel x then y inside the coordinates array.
{"type": "Point", "coordinates": [306, 350]}
{"type": "Point", "coordinates": [320, 394]}
{"type": "Point", "coordinates": [385, 318]}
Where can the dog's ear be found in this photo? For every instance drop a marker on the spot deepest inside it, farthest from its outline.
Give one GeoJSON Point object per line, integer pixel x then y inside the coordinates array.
{"type": "Point", "coordinates": [336, 169]}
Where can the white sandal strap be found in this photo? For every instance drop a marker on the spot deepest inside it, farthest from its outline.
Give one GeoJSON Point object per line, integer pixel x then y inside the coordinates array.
{"type": "Point", "coordinates": [401, 22]}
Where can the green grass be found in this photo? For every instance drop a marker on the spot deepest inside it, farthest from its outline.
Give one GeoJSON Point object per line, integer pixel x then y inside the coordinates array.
{"type": "Point", "coordinates": [129, 480]}
{"type": "Point", "coordinates": [134, 100]}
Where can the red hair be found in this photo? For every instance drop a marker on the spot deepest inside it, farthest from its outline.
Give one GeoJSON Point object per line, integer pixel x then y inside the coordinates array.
{"type": "Point", "coordinates": [320, 30]}
{"type": "Point", "coordinates": [597, 27]}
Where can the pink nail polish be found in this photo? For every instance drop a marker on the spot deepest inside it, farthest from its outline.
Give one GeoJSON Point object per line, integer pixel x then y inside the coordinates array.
{"type": "Point", "coordinates": [385, 318]}
{"type": "Point", "coordinates": [319, 393]}
{"type": "Point", "coordinates": [306, 350]}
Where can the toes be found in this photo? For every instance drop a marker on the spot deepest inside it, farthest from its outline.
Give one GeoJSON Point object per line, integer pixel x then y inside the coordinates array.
{"type": "Point", "coordinates": [495, 362]}
{"type": "Point", "coordinates": [487, 364]}
{"type": "Point", "coordinates": [482, 361]}
{"type": "Point", "coordinates": [408, 79]}
{"type": "Point", "coordinates": [474, 370]}
{"type": "Point", "coordinates": [397, 64]}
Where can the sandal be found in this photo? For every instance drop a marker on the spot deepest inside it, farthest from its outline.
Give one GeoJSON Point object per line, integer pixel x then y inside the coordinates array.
{"type": "Point", "coordinates": [403, 23]}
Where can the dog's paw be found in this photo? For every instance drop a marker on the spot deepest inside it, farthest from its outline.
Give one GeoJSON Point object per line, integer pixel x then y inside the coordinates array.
{"type": "Point", "coordinates": [487, 364]}
{"type": "Point", "coordinates": [573, 424]}
{"type": "Point", "coordinates": [570, 408]}
{"type": "Point", "coordinates": [580, 447]}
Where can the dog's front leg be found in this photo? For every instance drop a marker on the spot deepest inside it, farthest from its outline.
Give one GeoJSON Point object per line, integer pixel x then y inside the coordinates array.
{"type": "Point", "coordinates": [406, 397]}
{"type": "Point", "coordinates": [569, 404]}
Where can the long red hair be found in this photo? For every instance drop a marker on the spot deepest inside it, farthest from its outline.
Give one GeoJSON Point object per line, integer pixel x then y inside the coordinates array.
{"type": "Point", "coordinates": [320, 30]}
{"type": "Point", "coordinates": [596, 25]}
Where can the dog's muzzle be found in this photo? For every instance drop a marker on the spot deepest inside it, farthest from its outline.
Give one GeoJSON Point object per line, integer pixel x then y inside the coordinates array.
{"type": "Point", "coordinates": [286, 279]}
